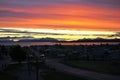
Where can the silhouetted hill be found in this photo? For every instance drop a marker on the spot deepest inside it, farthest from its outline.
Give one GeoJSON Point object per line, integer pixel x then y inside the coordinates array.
{"type": "Point", "coordinates": [5, 40]}
{"type": "Point", "coordinates": [98, 40]}
{"type": "Point", "coordinates": [39, 40]}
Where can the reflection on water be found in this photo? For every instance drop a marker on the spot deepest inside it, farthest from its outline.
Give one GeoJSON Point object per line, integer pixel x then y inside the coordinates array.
{"type": "Point", "coordinates": [54, 43]}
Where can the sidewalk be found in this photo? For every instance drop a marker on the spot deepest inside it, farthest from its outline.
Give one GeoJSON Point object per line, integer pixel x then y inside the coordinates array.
{"type": "Point", "coordinates": [79, 72]}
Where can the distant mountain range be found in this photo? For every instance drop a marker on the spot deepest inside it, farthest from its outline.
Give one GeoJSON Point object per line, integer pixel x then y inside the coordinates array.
{"type": "Point", "coordinates": [55, 40]}
{"type": "Point", "coordinates": [98, 40]}
{"type": "Point", "coordinates": [39, 40]}
{"type": "Point", "coordinates": [5, 40]}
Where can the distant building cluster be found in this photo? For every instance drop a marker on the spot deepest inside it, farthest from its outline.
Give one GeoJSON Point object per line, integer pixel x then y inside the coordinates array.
{"type": "Point", "coordinates": [83, 52]}
{"type": "Point", "coordinates": [110, 53]}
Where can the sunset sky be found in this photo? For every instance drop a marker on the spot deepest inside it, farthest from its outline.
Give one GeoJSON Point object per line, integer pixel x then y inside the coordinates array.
{"type": "Point", "coordinates": [61, 19]}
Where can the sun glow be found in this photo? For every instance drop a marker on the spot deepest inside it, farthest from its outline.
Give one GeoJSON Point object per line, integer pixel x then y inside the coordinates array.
{"type": "Point", "coordinates": [67, 35]}
{"type": "Point", "coordinates": [76, 32]}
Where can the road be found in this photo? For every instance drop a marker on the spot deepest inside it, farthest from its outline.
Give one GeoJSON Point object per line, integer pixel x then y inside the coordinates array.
{"type": "Point", "coordinates": [79, 72]}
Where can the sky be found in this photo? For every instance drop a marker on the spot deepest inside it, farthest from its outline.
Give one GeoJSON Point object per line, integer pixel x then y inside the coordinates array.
{"type": "Point", "coordinates": [61, 19]}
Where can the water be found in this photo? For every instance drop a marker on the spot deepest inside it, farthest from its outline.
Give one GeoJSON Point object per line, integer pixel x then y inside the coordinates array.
{"type": "Point", "coordinates": [54, 43]}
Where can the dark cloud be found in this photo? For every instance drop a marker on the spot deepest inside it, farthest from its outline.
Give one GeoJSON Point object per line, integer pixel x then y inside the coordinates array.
{"type": "Point", "coordinates": [115, 35]}
{"type": "Point", "coordinates": [26, 3]}
{"type": "Point", "coordinates": [7, 13]}
{"type": "Point", "coordinates": [26, 32]}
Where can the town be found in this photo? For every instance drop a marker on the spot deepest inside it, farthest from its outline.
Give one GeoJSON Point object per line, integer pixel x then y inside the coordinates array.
{"type": "Point", "coordinates": [40, 62]}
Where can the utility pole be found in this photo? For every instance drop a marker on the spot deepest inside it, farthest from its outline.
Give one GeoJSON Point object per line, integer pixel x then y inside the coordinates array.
{"type": "Point", "coordinates": [36, 56]}
{"type": "Point", "coordinates": [37, 69]}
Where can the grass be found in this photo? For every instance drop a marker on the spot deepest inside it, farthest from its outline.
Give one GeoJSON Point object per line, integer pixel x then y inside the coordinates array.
{"type": "Point", "coordinates": [97, 66]}
{"type": "Point", "coordinates": [6, 76]}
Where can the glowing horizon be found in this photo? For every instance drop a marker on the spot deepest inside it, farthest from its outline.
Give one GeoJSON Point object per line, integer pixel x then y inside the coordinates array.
{"type": "Point", "coordinates": [73, 18]}
{"type": "Point", "coordinates": [67, 35]}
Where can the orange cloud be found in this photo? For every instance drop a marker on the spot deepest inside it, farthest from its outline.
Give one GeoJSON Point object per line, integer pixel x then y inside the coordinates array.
{"type": "Point", "coordinates": [62, 16]}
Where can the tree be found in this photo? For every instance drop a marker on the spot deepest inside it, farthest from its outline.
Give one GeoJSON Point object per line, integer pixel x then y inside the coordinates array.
{"type": "Point", "coordinates": [2, 49]}
{"type": "Point", "coordinates": [18, 54]}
